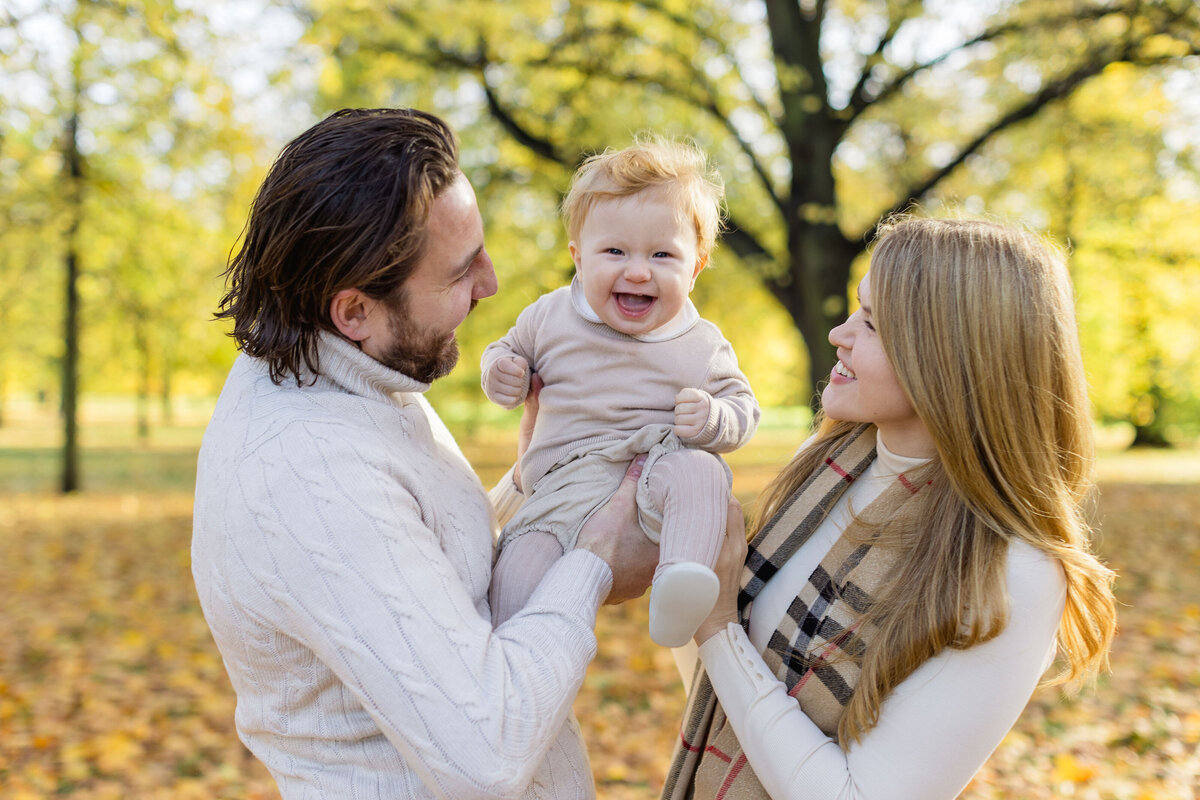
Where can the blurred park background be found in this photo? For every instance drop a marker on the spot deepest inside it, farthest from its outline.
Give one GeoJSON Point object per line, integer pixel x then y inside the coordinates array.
{"type": "Point", "coordinates": [133, 134]}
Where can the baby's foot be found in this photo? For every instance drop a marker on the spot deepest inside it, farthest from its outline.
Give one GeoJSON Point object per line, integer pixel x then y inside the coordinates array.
{"type": "Point", "coordinates": [680, 599]}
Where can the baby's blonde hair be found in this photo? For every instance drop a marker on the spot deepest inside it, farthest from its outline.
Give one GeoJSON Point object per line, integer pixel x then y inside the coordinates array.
{"type": "Point", "coordinates": [652, 162]}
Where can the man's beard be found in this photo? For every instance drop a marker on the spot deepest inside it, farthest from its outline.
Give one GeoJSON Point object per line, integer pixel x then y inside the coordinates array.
{"type": "Point", "coordinates": [420, 354]}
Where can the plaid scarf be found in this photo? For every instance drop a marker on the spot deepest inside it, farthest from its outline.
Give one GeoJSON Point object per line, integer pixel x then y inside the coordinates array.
{"type": "Point", "coordinates": [804, 650]}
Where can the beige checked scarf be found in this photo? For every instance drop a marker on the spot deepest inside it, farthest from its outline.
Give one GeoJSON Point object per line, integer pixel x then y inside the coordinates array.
{"type": "Point", "coordinates": [708, 760]}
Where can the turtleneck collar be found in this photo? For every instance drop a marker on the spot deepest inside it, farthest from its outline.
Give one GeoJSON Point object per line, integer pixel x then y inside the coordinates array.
{"type": "Point", "coordinates": [892, 464]}
{"type": "Point", "coordinates": [357, 373]}
{"type": "Point", "coordinates": [682, 323]}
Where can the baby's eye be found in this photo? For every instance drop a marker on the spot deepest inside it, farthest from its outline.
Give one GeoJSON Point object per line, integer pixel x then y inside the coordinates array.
{"type": "Point", "coordinates": [662, 254]}
{"type": "Point", "coordinates": [614, 251]}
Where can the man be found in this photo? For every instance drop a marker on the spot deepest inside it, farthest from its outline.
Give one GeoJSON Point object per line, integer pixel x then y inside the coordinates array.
{"type": "Point", "coordinates": [342, 545]}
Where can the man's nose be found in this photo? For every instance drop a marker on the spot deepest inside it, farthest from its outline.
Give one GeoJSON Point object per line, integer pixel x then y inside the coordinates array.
{"type": "Point", "coordinates": [487, 285]}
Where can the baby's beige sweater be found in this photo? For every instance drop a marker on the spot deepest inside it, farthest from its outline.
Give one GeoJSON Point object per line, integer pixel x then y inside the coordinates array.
{"type": "Point", "coordinates": [603, 386]}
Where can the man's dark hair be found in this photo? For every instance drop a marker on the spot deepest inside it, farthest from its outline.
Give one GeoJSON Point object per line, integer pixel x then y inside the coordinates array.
{"type": "Point", "coordinates": [345, 205]}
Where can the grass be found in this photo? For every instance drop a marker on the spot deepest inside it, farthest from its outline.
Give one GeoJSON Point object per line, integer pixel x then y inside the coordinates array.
{"type": "Point", "coordinates": [112, 460]}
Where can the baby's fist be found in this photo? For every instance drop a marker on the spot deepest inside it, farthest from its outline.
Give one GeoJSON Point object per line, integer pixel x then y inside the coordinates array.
{"type": "Point", "coordinates": [691, 412]}
{"type": "Point", "coordinates": [508, 381]}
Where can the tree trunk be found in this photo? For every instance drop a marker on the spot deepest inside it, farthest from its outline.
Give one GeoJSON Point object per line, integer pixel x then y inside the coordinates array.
{"type": "Point", "coordinates": [166, 407]}
{"type": "Point", "coordinates": [1148, 428]}
{"type": "Point", "coordinates": [813, 292]}
{"type": "Point", "coordinates": [142, 343]}
{"type": "Point", "coordinates": [819, 254]}
{"type": "Point", "coordinates": [73, 169]}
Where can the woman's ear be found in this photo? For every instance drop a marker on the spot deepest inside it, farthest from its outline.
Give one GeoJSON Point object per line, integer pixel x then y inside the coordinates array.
{"type": "Point", "coordinates": [350, 312]}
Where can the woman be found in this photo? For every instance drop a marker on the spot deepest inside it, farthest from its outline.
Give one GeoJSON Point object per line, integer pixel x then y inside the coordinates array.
{"type": "Point", "coordinates": [917, 563]}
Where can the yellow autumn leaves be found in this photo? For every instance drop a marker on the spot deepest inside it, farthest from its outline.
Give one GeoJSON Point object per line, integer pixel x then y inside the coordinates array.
{"type": "Point", "coordinates": [110, 686]}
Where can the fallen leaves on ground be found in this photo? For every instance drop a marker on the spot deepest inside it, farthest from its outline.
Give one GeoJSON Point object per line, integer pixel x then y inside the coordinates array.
{"type": "Point", "coordinates": [110, 686]}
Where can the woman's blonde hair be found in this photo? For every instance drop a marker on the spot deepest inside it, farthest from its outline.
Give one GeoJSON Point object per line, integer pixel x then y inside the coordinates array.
{"type": "Point", "coordinates": [977, 319]}
{"type": "Point", "coordinates": [680, 169]}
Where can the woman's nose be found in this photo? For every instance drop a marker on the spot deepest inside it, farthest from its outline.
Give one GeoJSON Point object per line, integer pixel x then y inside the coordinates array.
{"type": "Point", "coordinates": [839, 335]}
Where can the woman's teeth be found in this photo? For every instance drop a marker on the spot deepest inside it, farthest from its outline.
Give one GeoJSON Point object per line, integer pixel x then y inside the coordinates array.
{"type": "Point", "coordinates": [840, 369]}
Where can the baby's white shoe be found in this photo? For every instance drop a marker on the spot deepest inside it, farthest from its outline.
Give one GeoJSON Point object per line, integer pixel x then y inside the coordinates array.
{"type": "Point", "coordinates": [680, 599]}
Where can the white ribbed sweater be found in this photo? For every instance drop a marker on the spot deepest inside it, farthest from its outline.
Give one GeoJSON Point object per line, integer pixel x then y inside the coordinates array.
{"type": "Point", "coordinates": [342, 552]}
{"type": "Point", "coordinates": [939, 725]}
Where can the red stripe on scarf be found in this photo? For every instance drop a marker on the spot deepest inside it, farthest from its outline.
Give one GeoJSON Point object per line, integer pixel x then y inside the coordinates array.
{"type": "Point", "coordinates": [829, 648]}
{"type": "Point", "coordinates": [710, 749]}
{"type": "Point", "coordinates": [833, 465]}
{"type": "Point", "coordinates": [719, 754]}
{"type": "Point", "coordinates": [731, 777]}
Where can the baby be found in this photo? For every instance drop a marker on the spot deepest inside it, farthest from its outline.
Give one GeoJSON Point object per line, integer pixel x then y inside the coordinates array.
{"type": "Point", "coordinates": [628, 367]}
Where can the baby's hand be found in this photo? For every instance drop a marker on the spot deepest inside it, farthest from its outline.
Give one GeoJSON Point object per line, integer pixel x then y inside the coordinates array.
{"type": "Point", "coordinates": [508, 381]}
{"type": "Point", "coordinates": [691, 412]}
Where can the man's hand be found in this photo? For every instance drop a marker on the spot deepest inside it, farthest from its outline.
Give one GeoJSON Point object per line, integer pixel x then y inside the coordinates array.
{"type": "Point", "coordinates": [508, 381]}
{"type": "Point", "coordinates": [692, 407]}
{"type": "Point", "coordinates": [613, 533]}
{"type": "Point", "coordinates": [528, 421]}
{"type": "Point", "coordinates": [729, 570]}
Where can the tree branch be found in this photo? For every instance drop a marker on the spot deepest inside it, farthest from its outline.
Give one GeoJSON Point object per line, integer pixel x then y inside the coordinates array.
{"type": "Point", "coordinates": [688, 23]}
{"type": "Point", "coordinates": [539, 145]}
{"type": "Point", "coordinates": [894, 25]}
{"type": "Point", "coordinates": [743, 243]}
{"type": "Point", "coordinates": [862, 100]}
{"type": "Point", "coordinates": [748, 248]}
{"type": "Point", "coordinates": [704, 101]}
{"type": "Point", "coordinates": [1054, 91]}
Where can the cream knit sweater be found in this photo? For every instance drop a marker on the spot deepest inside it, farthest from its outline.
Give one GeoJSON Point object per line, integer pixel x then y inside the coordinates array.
{"type": "Point", "coordinates": [342, 552]}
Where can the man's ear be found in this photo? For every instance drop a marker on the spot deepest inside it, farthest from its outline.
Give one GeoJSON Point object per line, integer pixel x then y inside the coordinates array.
{"type": "Point", "coordinates": [350, 312]}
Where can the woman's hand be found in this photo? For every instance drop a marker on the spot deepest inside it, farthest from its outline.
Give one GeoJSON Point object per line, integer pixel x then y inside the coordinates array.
{"type": "Point", "coordinates": [729, 569]}
{"type": "Point", "coordinates": [614, 534]}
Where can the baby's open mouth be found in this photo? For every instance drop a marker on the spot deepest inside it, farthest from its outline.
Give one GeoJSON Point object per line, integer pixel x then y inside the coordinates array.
{"type": "Point", "coordinates": [633, 304]}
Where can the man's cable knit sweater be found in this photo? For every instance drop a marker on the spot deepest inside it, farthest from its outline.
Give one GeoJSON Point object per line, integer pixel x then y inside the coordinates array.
{"type": "Point", "coordinates": [342, 552]}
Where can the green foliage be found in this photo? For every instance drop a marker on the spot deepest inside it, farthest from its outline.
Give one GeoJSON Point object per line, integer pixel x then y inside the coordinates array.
{"type": "Point", "coordinates": [1099, 173]}
{"type": "Point", "coordinates": [822, 117]}
{"type": "Point", "coordinates": [164, 189]}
